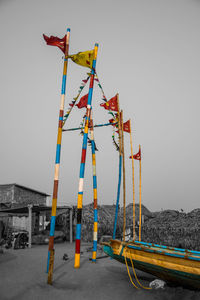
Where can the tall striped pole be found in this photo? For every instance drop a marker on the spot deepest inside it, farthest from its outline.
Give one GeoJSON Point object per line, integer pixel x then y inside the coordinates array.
{"type": "Point", "coordinates": [50, 260]}
{"type": "Point", "coordinates": [82, 165]}
{"type": "Point", "coordinates": [140, 197]}
{"type": "Point", "coordinates": [131, 143]}
{"type": "Point", "coordinates": [94, 253]}
{"type": "Point", "coordinates": [124, 182]}
{"type": "Point", "coordinates": [120, 171]}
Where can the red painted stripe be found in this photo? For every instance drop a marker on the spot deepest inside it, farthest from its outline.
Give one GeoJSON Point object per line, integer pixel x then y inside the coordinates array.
{"type": "Point", "coordinates": [51, 242]}
{"type": "Point", "coordinates": [78, 246]}
{"type": "Point", "coordinates": [91, 82]}
{"type": "Point", "coordinates": [60, 124]}
{"type": "Point", "coordinates": [61, 112]}
{"type": "Point", "coordinates": [83, 156]}
{"type": "Point", "coordinates": [95, 203]}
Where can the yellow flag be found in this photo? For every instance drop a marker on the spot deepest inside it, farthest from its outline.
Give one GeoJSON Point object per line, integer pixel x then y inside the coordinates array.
{"type": "Point", "coordinates": [84, 59]}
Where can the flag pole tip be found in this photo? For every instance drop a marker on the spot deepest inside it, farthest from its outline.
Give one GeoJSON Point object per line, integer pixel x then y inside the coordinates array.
{"type": "Point", "coordinates": [68, 29]}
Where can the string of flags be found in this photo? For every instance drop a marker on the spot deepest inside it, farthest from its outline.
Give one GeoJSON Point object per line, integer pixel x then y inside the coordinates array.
{"type": "Point", "coordinates": [85, 59]}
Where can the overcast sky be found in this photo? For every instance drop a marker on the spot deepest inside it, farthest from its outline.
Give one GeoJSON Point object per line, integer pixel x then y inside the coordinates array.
{"type": "Point", "coordinates": [148, 53]}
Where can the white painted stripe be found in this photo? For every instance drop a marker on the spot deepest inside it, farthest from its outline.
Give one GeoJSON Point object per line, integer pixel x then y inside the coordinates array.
{"type": "Point", "coordinates": [94, 169]}
{"type": "Point", "coordinates": [62, 102]}
{"type": "Point", "coordinates": [88, 106]}
{"type": "Point", "coordinates": [94, 236]}
{"type": "Point", "coordinates": [56, 174]}
{"type": "Point", "coordinates": [80, 188]}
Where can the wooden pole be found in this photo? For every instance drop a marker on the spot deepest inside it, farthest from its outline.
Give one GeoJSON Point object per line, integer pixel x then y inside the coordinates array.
{"type": "Point", "coordinates": [30, 225]}
{"type": "Point", "coordinates": [131, 143]}
{"type": "Point", "coordinates": [82, 165]}
{"type": "Point", "coordinates": [95, 227]}
{"type": "Point", "coordinates": [50, 259]}
{"type": "Point", "coordinates": [71, 225]}
{"type": "Point", "coordinates": [124, 182]}
{"type": "Point", "coordinates": [140, 196]}
{"type": "Point", "coordinates": [120, 168]}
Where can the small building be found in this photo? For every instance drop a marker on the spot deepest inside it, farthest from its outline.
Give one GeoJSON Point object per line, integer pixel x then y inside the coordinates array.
{"type": "Point", "coordinates": [13, 196]}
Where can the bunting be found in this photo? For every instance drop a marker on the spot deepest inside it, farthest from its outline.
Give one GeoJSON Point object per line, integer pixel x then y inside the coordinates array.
{"type": "Point", "coordinates": [137, 156]}
{"type": "Point", "coordinates": [75, 99]}
{"type": "Point", "coordinates": [55, 41]}
{"type": "Point", "coordinates": [84, 59]}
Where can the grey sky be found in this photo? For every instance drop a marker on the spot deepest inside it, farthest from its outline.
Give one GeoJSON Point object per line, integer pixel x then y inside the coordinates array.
{"type": "Point", "coordinates": [148, 52]}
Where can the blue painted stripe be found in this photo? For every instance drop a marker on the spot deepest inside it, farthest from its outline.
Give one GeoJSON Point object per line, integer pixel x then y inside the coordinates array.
{"type": "Point", "coordinates": [118, 196]}
{"type": "Point", "coordinates": [93, 147]}
{"type": "Point", "coordinates": [94, 245]}
{"type": "Point", "coordinates": [95, 215]}
{"type": "Point", "coordinates": [80, 193]}
{"type": "Point", "coordinates": [94, 182]}
{"type": "Point", "coordinates": [52, 227]}
{"type": "Point", "coordinates": [169, 248]}
{"type": "Point", "coordinates": [48, 260]}
{"type": "Point", "coordinates": [78, 231]}
{"type": "Point", "coordinates": [85, 140]}
{"type": "Point", "coordinates": [82, 170]}
{"type": "Point", "coordinates": [61, 118]}
{"type": "Point", "coordinates": [63, 84]}
{"type": "Point", "coordinates": [58, 148]}
{"type": "Point", "coordinates": [163, 252]}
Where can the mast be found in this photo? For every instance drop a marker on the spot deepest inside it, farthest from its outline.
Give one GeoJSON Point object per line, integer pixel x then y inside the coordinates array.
{"type": "Point", "coordinates": [95, 227]}
{"type": "Point", "coordinates": [124, 182]}
{"type": "Point", "coordinates": [120, 170]}
{"type": "Point", "coordinates": [131, 143]}
{"type": "Point", "coordinates": [140, 197]}
{"type": "Point", "coordinates": [82, 165]}
{"type": "Point", "coordinates": [50, 259]}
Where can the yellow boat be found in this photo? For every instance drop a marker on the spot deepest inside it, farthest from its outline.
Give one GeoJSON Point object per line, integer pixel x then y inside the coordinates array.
{"type": "Point", "coordinates": [174, 265]}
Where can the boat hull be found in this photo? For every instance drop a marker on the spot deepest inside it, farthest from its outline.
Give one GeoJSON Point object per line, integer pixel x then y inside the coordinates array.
{"type": "Point", "coordinates": [169, 265]}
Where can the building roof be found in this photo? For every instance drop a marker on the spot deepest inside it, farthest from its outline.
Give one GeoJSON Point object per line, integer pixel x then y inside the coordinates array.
{"type": "Point", "coordinates": [35, 208]}
{"type": "Point", "coordinates": [24, 187]}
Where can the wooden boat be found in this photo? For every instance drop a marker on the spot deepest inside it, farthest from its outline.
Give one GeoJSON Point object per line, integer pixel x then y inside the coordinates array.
{"type": "Point", "coordinates": [175, 265]}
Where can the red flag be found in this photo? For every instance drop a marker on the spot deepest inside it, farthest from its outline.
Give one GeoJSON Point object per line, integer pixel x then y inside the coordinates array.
{"type": "Point", "coordinates": [83, 102]}
{"type": "Point", "coordinates": [137, 156]}
{"type": "Point", "coordinates": [111, 104]}
{"type": "Point", "coordinates": [55, 41]}
{"type": "Point", "coordinates": [126, 126]}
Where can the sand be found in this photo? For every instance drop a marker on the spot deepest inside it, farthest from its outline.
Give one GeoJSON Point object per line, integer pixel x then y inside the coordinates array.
{"type": "Point", "coordinates": [23, 276]}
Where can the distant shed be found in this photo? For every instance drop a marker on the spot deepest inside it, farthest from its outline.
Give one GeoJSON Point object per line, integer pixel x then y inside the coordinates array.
{"type": "Point", "coordinates": [15, 195]}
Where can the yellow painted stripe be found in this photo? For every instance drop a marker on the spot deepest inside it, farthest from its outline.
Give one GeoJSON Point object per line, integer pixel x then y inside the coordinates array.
{"type": "Point", "coordinates": [86, 129]}
{"type": "Point", "coordinates": [80, 201]}
{"type": "Point", "coordinates": [95, 193]}
{"type": "Point", "coordinates": [95, 226]}
{"type": "Point", "coordinates": [94, 255]}
{"type": "Point", "coordinates": [59, 136]}
{"type": "Point", "coordinates": [77, 260]}
{"type": "Point", "coordinates": [65, 68]}
{"type": "Point", "coordinates": [93, 159]}
{"type": "Point", "coordinates": [56, 174]}
{"type": "Point", "coordinates": [54, 204]}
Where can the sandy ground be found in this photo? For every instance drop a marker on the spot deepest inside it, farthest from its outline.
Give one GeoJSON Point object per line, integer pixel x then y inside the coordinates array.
{"type": "Point", "coordinates": [23, 276]}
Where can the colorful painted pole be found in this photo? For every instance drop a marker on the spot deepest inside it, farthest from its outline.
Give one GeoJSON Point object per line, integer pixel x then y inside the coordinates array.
{"type": "Point", "coordinates": [50, 260]}
{"type": "Point", "coordinates": [124, 182]}
{"type": "Point", "coordinates": [131, 143]}
{"type": "Point", "coordinates": [95, 235]}
{"type": "Point", "coordinates": [120, 171]}
{"type": "Point", "coordinates": [140, 196]}
{"type": "Point", "coordinates": [82, 165]}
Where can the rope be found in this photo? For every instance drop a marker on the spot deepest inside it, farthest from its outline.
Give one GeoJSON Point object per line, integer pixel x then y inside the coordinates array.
{"type": "Point", "coordinates": [133, 268]}
{"type": "Point", "coordinates": [84, 82]}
